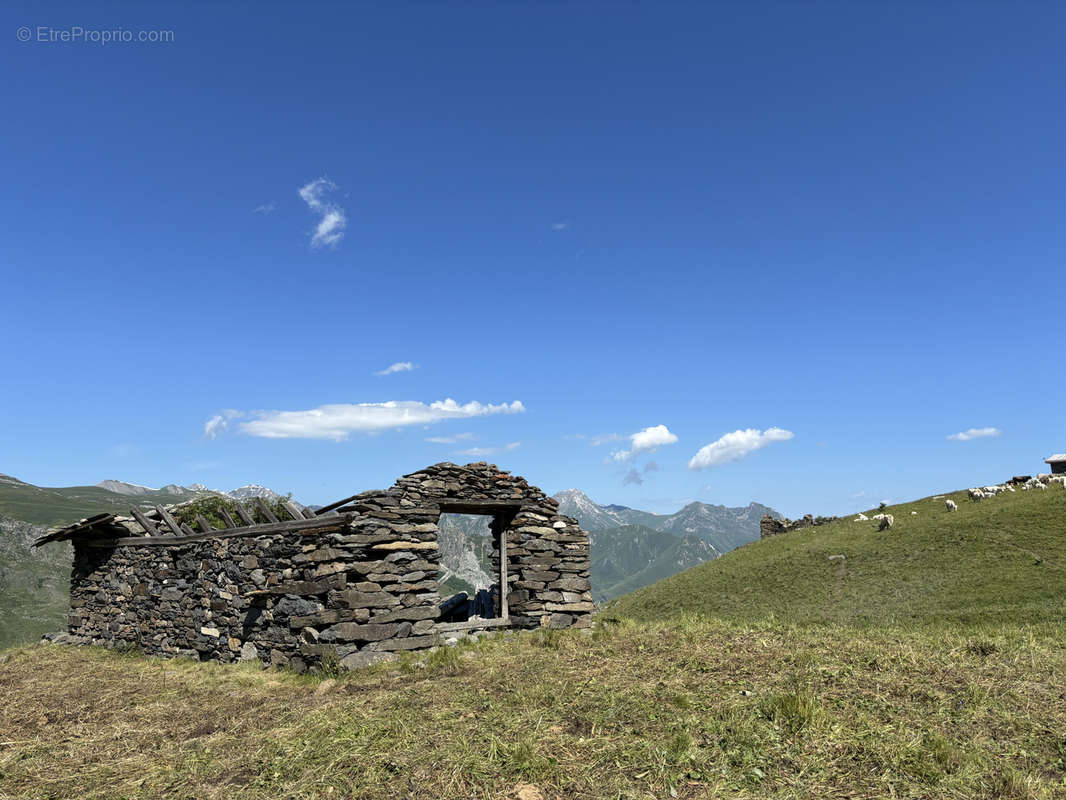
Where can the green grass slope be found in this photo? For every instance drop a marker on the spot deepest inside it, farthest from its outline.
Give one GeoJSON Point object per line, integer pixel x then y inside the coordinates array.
{"type": "Point", "coordinates": [690, 710]}
{"type": "Point", "coordinates": [632, 556]}
{"type": "Point", "coordinates": [1003, 559]}
{"type": "Point", "coordinates": [64, 505]}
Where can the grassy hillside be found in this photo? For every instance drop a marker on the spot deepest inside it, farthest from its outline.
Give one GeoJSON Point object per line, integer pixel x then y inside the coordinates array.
{"type": "Point", "coordinates": [691, 709]}
{"type": "Point", "coordinates": [61, 506]}
{"type": "Point", "coordinates": [34, 583]}
{"type": "Point", "coordinates": [632, 556]}
{"type": "Point", "coordinates": [1003, 559]}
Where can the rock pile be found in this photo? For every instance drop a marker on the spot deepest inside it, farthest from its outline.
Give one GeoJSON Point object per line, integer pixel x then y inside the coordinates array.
{"type": "Point", "coordinates": [768, 526]}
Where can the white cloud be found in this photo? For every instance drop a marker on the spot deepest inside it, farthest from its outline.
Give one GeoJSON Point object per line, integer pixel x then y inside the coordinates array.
{"type": "Point", "coordinates": [219, 422]}
{"type": "Point", "coordinates": [975, 433]}
{"type": "Point", "coordinates": [478, 452]}
{"type": "Point", "coordinates": [214, 426]}
{"type": "Point", "coordinates": [339, 420]}
{"type": "Point", "coordinates": [459, 437]}
{"type": "Point", "coordinates": [399, 366]}
{"type": "Point", "coordinates": [560, 226]}
{"type": "Point", "coordinates": [266, 208]}
{"type": "Point", "coordinates": [330, 228]}
{"type": "Point", "coordinates": [734, 446]}
{"type": "Point", "coordinates": [604, 438]}
{"type": "Point", "coordinates": [646, 441]}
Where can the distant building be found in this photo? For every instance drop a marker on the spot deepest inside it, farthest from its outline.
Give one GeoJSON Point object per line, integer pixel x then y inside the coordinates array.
{"type": "Point", "coordinates": [1058, 464]}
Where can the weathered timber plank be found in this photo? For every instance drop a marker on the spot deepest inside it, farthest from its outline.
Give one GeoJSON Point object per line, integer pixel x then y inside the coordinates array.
{"type": "Point", "coordinates": [447, 505]}
{"type": "Point", "coordinates": [144, 522]}
{"type": "Point", "coordinates": [319, 525]}
{"type": "Point", "coordinates": [294, 512]}
{"type": "Point", "coordinates": [169, 520]}
{"type": "Point", "coordinates": [338, 504]}
{"type": "Point", "coordinates": [270, 515]}
{"type": "Point", "coordinates": [491, 622]}
{"type": "Point", "coordinates": [242, 512]}
{"type": "Point", "coordinates": [227, 518]}
{"type": "Point", "coordinates": [205, 526]}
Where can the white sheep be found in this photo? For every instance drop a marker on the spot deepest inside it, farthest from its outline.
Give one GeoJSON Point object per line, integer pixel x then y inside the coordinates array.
{"type": "Point", "coordinates": [951, 505]}
{"type": "Point", "coordinates": [914, 513]}
{"type": "Point", "coordinates": [878, 516]}
{"type": "Point", "coordinates": [886, 522]}
{"type": "Point", "coordinates": [976, 495]}
{"type": "Point", "coordinates": [861, 518]}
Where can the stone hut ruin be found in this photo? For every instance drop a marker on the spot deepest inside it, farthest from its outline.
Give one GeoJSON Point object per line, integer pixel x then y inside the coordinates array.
{"type": "Point", "coordinates": [355, 580]}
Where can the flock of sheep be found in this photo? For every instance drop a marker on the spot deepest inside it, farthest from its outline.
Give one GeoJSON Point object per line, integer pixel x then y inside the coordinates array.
{"type": "Point", "coordinates": [1039, 482]}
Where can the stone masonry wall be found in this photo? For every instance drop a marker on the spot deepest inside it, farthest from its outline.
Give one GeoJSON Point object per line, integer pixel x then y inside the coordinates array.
{"type": "Point", "coordinates": [362, 587]}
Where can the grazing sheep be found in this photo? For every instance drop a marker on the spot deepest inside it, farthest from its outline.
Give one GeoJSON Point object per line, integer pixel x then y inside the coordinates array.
{"type": "Point", "coordinates": [976, 495]}
{"type": "Point", "coordinates": [1059, 479]}
{"type": "Point", "coordinates": [886, 522]}
{"type": "Point", "coordinates": [861, 518]}
{"type": "Point", "coordinates": [878, 516]}
{"type": "Point", "coordinates": [914, 513]}
{"type": "Point", "coordinates": [951, 505]}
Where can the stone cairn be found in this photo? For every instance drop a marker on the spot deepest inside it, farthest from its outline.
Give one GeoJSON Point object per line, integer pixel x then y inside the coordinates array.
{"type": "Point", "coordinates": [355, 584]}
{"type": "Point", "coordinates": [768, 526]}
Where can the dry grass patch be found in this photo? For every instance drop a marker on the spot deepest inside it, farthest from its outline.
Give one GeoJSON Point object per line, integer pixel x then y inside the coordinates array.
{"type": "Point", "coordinates": [695, 709]}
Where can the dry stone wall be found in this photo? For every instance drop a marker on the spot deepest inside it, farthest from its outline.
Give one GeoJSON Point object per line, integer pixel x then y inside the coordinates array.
{"type": "Point", "coordinates": [355, 588]}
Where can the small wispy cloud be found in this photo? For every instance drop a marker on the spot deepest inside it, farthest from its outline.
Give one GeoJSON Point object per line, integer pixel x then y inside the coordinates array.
{"type": "Point", "coordinates": [399, 366]}
{"type": "Point", "coordinates": [340, 420]}
{"type": "Point", "coordinates": [645, 441]}
{"type": "Point", "coordinates": [267, 208]}
{"type": "Point", "coordinates": [975, 433]}
{"type": "Point", "coordinates": [332, 220]}
{"type": "Point", "coordinates": [459, 437]}
{"type": "Point", "coordinates": [219, 422]}
{"type": "Point", "coordinates": [560, 226]}
{"type": "Point", "coordinates": [651, 466]}
{"type": "Point", "coordinates": [734, 446]}
{"type": "Point", "coordinates": [480, 452]}
{"type": "Point", "coordinates": [632, 477]}
{"type": "Point", "coordinates": [605, 438]}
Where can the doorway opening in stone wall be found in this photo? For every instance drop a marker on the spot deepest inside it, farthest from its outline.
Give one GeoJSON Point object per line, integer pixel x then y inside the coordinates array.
{"type": "Point", "coordinates": [470, 574]}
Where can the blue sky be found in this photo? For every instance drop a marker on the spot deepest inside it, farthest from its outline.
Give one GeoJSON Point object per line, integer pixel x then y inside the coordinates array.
{"type": "Point", "coordinates": [830, 233]}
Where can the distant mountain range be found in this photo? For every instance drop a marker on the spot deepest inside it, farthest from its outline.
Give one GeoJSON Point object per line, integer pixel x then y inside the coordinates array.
{"type": "Point", "coordinates": [56, 506]}
{"type": "Point", "coordinates": [630, 548]}
{"type": "Point", "coordinates": [633, 548]}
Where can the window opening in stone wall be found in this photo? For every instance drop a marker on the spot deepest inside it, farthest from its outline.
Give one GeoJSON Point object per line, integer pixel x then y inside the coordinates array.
{"type": "Point", "coordinates": [469, 560]}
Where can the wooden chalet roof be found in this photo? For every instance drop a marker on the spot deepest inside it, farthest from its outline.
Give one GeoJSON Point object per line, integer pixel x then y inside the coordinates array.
{"type": "Point", "coordinates": [160, 524]}
{"type": "Point", "coordinates": [1055, 459]}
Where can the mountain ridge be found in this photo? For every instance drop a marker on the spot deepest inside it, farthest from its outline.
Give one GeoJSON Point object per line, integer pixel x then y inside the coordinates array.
{"type": "Point", "coordinates": [633, 548]}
